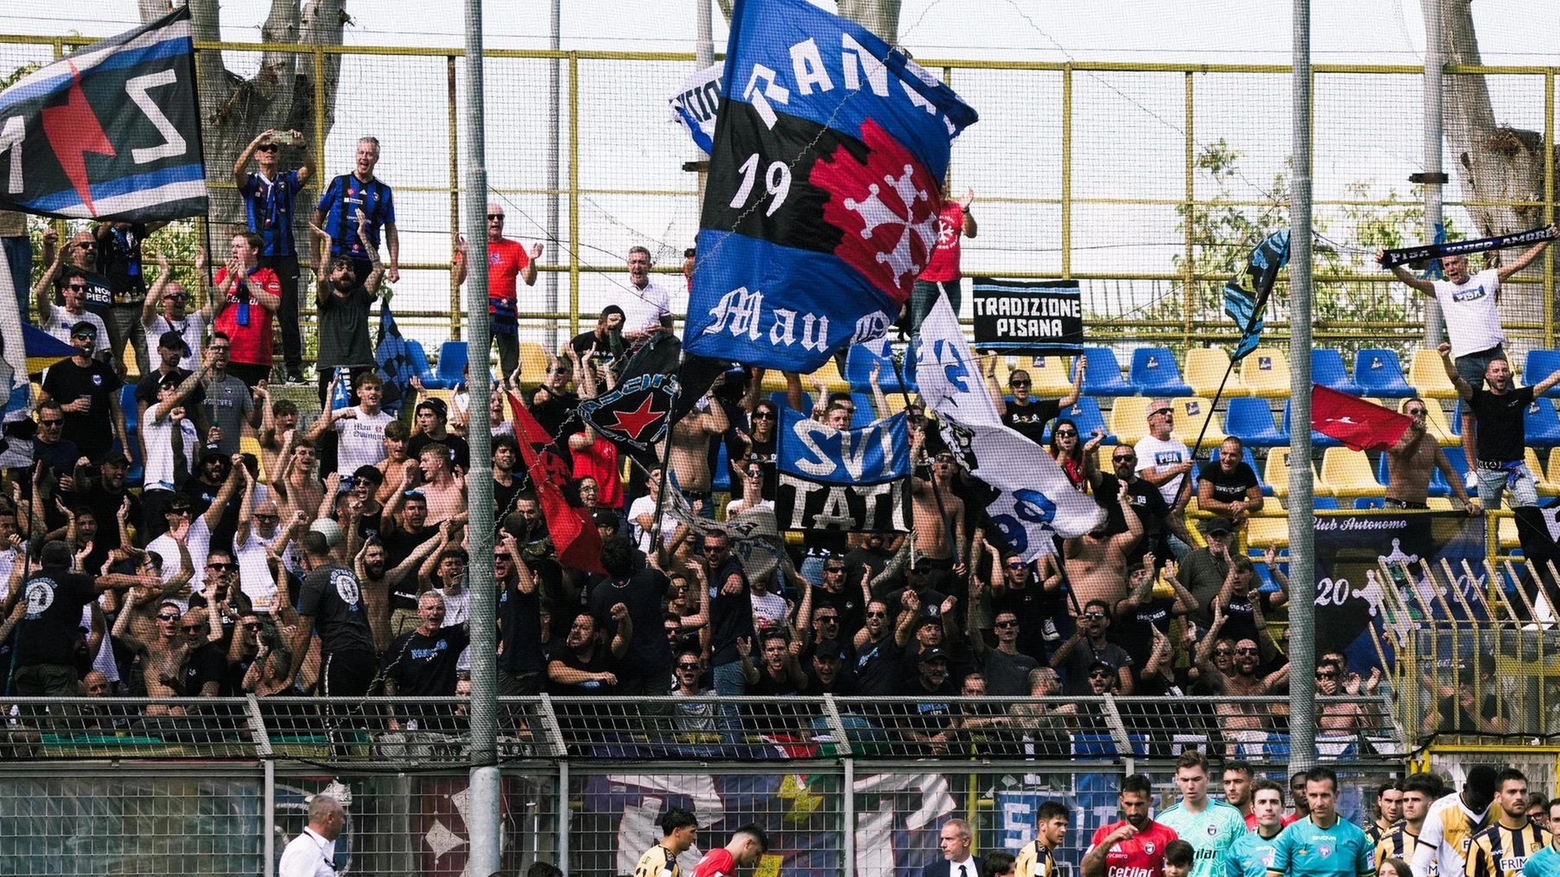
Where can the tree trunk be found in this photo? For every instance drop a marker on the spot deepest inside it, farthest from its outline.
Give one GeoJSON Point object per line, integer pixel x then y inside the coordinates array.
{"type": "Point", "coordinates": [1493, 162]}
{"type": "Point", "coordinates": [280, 95]}
{"type": "Point", "coordinates": [879, 16]}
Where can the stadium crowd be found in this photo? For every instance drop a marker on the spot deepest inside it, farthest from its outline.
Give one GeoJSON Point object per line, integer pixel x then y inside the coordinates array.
{"type": "Point", "coordinates": [203, 536]}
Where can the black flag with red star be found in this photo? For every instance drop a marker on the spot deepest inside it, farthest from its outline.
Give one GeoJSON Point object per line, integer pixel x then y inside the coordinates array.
{"type": "Point", "coordinates": [658, 386]}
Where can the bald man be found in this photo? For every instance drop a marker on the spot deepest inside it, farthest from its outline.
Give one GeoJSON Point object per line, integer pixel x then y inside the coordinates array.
{"type": "Point", "coordinates": [506, 260]}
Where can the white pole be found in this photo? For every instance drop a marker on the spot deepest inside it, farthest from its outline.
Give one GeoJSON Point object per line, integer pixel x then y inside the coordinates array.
{"type": "Point", "coordinates": [483, 819]}
{"type": "Point", "coordinates": [554, 111]}
{"type": "Point", "coordinates": [1302, 603]}
{"type": "Point", "coordinates": [1434, 178]}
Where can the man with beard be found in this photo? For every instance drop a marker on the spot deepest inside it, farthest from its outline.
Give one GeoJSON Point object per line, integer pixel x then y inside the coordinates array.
{"type": "Point", "coordinates": [107, 495]}
{"type": "Point", "coordinates": [928, 720]}
{"type": "Point", "coordinates": [332, 601]}
{"type": "Point", "coordinates": [1096, 562]}
{"type": "Point", "coordinates": [174, 316]}
{"type": "Point", "coordinates": [870, 557]}
{"type": "Point", "coordinates": [1134, 846]}
{"type": "Point", "coordinates": [1087, 646]}
{"type": "Point", "coordinates": [635, 594]}
{"type": "Point", "coordinates": [1413, 459]}
{"type": "Point", "coordinates": [390, 594]}
{"type": "Point", "coordinates": [1499, 415]}
{"type": "Point", "coordinates": [88, 392]}
{"type": "Point", "coordinates": [878, 653]}
{"type": "Point", "coordinates": [74, 286]}
{"type": "Point", "coordinates": [343, 301]}
{"type": "Point", "coordinates": [1240, 721]}
{"type": "Point", "coordinates": [259, 528]}
{"type": "Point", "coordinates": [584, 666]}
{"type": "Point", "coordinates": [605, 342]}
{"type": "Point", "coordinates": [1032, 594]}
{"type": "Point", "coordinates": [828, 673]}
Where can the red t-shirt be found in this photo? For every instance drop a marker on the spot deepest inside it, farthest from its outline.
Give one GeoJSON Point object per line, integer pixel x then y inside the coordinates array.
{"type": "Point", "coordinates": [1141, 856]}
{"type": "Point", "coordinates": [600, 461]}
{"type": "Point", "coordinates": [716, 863]}
{"type": "Point", "coordinates": [944, 264]}
{"type": "Point", "coordinates": [506, 259]}
{"type": "Point", "coordinates": [252, 343]}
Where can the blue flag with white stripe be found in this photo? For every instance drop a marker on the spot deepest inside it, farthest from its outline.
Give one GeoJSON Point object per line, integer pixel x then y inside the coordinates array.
{"type": "Point", "coordinates": [1246, 307]}
{"type": "Point", "coordinates": [110, 132]}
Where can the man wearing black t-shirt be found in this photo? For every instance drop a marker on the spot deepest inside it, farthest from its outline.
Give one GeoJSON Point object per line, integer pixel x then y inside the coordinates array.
{"type": "Point", "coordinates": [646, 669]}
{"type": "Point", "coordinates": [1026, 414]}
{"type": "Point", "coordinates": [1502, 432]}
{"type": "Point", "coordinates": [332, 603]}
{"type": "Point", "coordinates": [421, 663]}
{"type": "Point", "coordinates": [43, 661]}
{"type": "Point", "coordinates": [88, 392]}
{"type": "Point", "coordinates": [878, 654]}
{"type": "Point", "coordinates": [1228, 488]}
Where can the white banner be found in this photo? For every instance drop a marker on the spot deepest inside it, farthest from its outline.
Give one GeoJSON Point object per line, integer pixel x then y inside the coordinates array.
{"type": "Point", "coordinates": [1036, 499]}
{"type": "Point", "coordinates": [695, 104]}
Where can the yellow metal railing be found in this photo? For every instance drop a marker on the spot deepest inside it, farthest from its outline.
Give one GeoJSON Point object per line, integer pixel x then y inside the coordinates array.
{"type": "Point", "coordinates": [1104, 160]}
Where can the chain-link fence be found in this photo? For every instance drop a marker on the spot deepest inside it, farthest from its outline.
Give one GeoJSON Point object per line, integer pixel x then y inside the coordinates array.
{"type": "Point", "coordinates": [838, 785]}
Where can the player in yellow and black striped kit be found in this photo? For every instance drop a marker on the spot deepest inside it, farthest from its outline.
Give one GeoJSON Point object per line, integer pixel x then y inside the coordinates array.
{"type": "Point", "coordinates": [678, 831]}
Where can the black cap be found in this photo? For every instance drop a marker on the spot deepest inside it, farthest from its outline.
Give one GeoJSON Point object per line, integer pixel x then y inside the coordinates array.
{"type": "Point", "coordinates": [830, 649]}
{"type": "Point", "coordinates": [212, 449]}
{"type": "Point", "coordinates": [1216, 525]}
{"type": "Point", "coordinates": [82, 326]}
{"type": "Point", "coordinates": [174, 341]}
{"type": "Point", "coordinates": [607, 519]}
{"type": "Point", "coordinates": [116, 457]}
{"type": "Point", "coordinates": [436, 405]}
{"type": "Point", "coordinates": [932, 654]}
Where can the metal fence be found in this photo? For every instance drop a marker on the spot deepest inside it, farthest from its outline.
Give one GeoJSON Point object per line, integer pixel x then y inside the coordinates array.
{"type": "Point", "coordinates": [1147, 182]}
{"type": "Point", "coordinates": [841, 785]}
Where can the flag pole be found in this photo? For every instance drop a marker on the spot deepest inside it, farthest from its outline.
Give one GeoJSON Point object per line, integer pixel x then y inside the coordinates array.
{"type": "Point", "coordinates": [666, 455]}
{"type": "Point", "coordinates": [953, 538]}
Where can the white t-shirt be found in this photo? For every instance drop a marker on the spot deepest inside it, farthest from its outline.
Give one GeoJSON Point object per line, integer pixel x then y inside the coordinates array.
{"type": "Point", "coordinates": [646, 506]}
{"type": "Point", "coordinates": [193, 329]}
{"type": "Point", "coordinates": [1472, 322]}
{"type": "Point", "coordinates": [1153, 453]}
{"type": "Point", "coordinates": [254, 570]}
{"type": "Point", "coordinates": [768, 607]}
{"type": "Point", "coordinates": [644, 308]}
{"type": "Point", "coordinates": [457, 607]}
{"type": "Point", "coordinates": [361, 440]}
{"type": "Point", "coordinates": [103, 661]}
{"type": "Point", "coordinates": [157, 436]}
{"type": "Point", "coordinates": [58, 322]}
{"type": "Point", "coordinates": [198, 542]}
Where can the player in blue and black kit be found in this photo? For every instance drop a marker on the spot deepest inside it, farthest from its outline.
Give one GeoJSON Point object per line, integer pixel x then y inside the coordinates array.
{"type": "Point", "coordinates": [1322, 844]}
{"type": "Point", "coordinates": [1209, 825]}
{"type": "Point", "coordinates": [1252, 854]}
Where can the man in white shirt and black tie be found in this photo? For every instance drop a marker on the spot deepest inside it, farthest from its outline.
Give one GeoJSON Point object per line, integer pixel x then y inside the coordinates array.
{"type": "Point", "coordinates": [311, 853]}
{"type": "Point", "coordinates": [954, 840]}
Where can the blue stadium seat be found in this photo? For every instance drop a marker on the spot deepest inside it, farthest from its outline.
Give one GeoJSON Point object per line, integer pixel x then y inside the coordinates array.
{"type": "Point", "coordinates": [778, 397]}
{"type": "Point", "coordinates": [1327, 369]}
{"type": "Point", "coordinates": [1369, 502]}
{"type": "Point", "coordinates": [1103, 377]}
{"type": "Point", "coordinates": [1542, 424]}
{"type": "Point", "coordinates": [865, 411]}
{"type": "Point", "coordinates": [1541, 364]}
{"type": "Point", "coordinates": [452, 362]}
{"type": "Point", "coordinates": [1317, 439]}
{"type": "Point", "coordinates": [1251, 420]}
{"type": "Point", "coordinates": [1086, 413]}
{"type": "Point", "coordinates": [421, 368]}
{"type": "Point", "coordinates": [1325, 503]}
{"type": "Point", "coordinates": [1379, 372]}
{"type": "Point", "coordinates": [1459, 462]}
{"type": "Point", "coordinates": [858, 371]}
{"type": "Point", "coordinates": [1156, 373]}
{"type": "Point", "coordinates": [1249, 460]}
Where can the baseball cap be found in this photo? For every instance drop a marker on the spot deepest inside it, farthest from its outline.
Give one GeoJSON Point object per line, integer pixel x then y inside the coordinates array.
{"type": "Point", "coordinates": [606, 519]}
{"type": "Point", "coordinates": [173, 341]}
{"type": "Point", "coordinates": [1216, 525]}
{"type": "Point", "coordinates": [116, 458]}
{"type": "Point", "coordinates": [212, 449]}
{"type": "Point", "coordinates": [830, 650]}
{"type": "Point", "coordinates": [932, 654]}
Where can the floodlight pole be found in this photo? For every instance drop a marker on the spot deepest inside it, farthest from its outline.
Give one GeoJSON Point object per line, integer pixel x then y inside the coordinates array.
{"type": "Point", "coordinates": [1302, 599]}
{"type": "Point", "coordinates": [554, 112]}
{"type": "Point", "coordinates": [482, 819]}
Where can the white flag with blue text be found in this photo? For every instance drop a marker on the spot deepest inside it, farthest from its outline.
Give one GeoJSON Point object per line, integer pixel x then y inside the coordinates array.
{"type": "Point", "coordinates": [1037, 501]}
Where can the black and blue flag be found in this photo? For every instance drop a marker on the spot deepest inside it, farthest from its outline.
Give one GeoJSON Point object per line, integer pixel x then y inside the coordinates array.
{"type": "Point", "coordinates": [1246, 307]}
{"type": "Point", "coordinates": [824, 189]}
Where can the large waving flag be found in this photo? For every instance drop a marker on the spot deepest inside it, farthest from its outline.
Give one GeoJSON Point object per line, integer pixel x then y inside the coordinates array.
{"type": "Point", "coordinates": [1035, 498]}
{"type": "Point", "coordinates": [43, 349]}
{"type": "Point", "coordinates": [575, 538]}
{"type": "Point", "coordinates": [394, 359]}
{"type": "Point", "coordinates": [1361, 425]}
{"type": "Point", "coordinates": [111, 132]}
{"type": "Point", "coordinates": [824, 188]}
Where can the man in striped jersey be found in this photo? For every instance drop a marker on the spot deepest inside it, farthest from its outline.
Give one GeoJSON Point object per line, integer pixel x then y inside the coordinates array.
{"type": "Point", "coordinates": [1502, 850]}
{"type": "Point", "coordinates": [1038, 858]}
{"type": "Point", "coordinates": [1452, 822]}
{"type": "Point", "coordinates": [678, 830]}
{"type": "Point", "coordinates": [1399, 843]}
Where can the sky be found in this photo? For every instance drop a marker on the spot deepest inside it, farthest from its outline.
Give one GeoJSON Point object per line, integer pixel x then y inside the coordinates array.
{"type": "Point", "coordinates": [1129, 131]}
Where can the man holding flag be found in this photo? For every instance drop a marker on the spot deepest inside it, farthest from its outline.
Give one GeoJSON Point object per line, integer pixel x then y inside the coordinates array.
{"type": "Point", "coordinates": [1412, 460]}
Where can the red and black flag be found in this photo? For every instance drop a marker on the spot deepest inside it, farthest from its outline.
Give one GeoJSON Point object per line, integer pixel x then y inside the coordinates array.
{"type": "Point", "coordinates": [659, 385]}
{"type": "Point", "coordinates": [111, 132]}
{"type": "Point", "coordinates": [574, 535]}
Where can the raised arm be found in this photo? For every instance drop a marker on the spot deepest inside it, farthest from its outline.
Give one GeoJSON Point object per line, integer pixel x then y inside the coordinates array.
{"type": "Point", "coordinates": [154, 294]}
{"type": "Point", "coordinates": [1407, 277]}
{"type": "Point", "coordinates": [1523, 260]}
{"type": "Point", "coordinates": [241, 165]}
{"type": "Point", "coordinates": [1464, 389]}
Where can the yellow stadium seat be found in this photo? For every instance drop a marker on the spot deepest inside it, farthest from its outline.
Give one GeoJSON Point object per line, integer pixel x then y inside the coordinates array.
{"type": "Point", "coordinates": [831, 377]}
{"type": "Point", "coordinates": [1546, 485]}
{"type": "Point", "coordinates": [1276, 473]}
{"type": "Point", "coordinates": [1439, 427]}
{"type": "Point", "coordinates": [1428, 377]}
{"type": "Point", "coordinates": [248, 444]}
{"type": "Point", "coordinates": [1205, 368]}
{"type": "Point", "coordinates": [1552, 472]}
{"type": "Point", "coordinates": [1438, 504]}
{"type": "Point", "coordinates": [1266, 373]}
{"type": "Point", "coordinates": [1190, 412]}
{"type": "Point", "coordinates": [1050, 379]}
{"type": "Point", "coordinates": [774, 381]}
{"type": "Point", "coordinates": [1506, 533]}
{"type": "Point", "coordinates": [1266, 532]}
{"type": "Point", "coordinates": [1129, 419]}
{"type": "Point", "coordinates": [533, 364]}
{"type": "Point", "coordinates": [1347, 474]}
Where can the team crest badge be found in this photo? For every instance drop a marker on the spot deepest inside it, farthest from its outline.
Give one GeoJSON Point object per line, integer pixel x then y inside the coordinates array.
{"type": "Point", "coordinates": [1324, 849]}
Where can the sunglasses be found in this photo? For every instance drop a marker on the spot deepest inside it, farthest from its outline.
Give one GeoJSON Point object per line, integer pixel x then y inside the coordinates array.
{"type": "Point", "coordinates": [755, 473]}
{"type": "Point", "coordinates": [828, 619]}
{"type": "Point", "coordinates": [1066, 433]}
{"type": "Point", "coordinates": [1126, 459]}
{"type": "Point", "coordinates": [834, 569]}
{"type": "Point", "coordinates": [176, 296]}
{"type": "Point", "coordinates": [1224, 653]}
{"type": "Point", "coordinates": [1413, 411]}
{"type": "Point", "coordinates": [1018, 383]}
{"type": "Point", "coordinates": [224, 567]}
{"type": "Point", "coordinates": [763, 415]}
{"type": "Point", "coordinates": [1245, 651]}
{"type": "Point", "coordinates": [495, 217]}
{"type": "Point", "coordinates": [1007, 624]}
{"type": "Point", "coordinates": [87, 246]}
{"type": "Point", "coordinates": [191, 628]}
{"type": "Point", "coordinates": [1018, 564]}
{"type": "Point", "coordinates": [84, 336]}
{"type": "Point", "coordinates": [1094, 616]}
{"type": "Point", "coordinates": [503, 557]}
{"type": "Point", "coordinates": [877, 614]}
{"type": "Point", "coordinates": [50, 422]}
{"type": "Point", "coordinates": [252, 627]}
{"type": "Point", "coordinates": [269, 147]}
{"type": "Point", "coordinates": [78, 287]}
{"type": "Point", "coordinates": [267, 519]}
{"type": "Point", "coordinates": [1099, 674]}
{"type": "Point", "coordinates": [167, 618]}
{"type": "Point", "coordinates": [1327, 676]}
